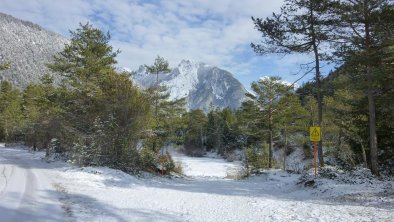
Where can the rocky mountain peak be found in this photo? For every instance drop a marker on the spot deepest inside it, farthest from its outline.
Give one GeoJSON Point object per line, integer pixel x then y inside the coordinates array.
{"type": "Point", "coordinates": [201, 85]}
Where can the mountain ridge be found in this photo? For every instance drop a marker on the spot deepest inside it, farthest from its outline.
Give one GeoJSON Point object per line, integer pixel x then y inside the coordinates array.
{"type": "Point", "coordinates": [28, 47]}
{"type": "Point", "coordinates": [201, 84]}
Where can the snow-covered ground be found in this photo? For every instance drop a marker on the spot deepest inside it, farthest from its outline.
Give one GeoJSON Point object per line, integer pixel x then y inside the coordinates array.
{"type": "Point", "coordinates": [210, 166]}
{"type": "Point", "coordinates": [103, 194]}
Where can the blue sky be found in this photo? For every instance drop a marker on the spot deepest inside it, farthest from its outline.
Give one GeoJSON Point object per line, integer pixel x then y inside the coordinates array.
{"type": "Point", "coordinates": [217, 32]}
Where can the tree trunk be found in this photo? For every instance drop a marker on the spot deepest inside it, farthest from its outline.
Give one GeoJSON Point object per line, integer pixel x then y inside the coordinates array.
{"type": "Point", "coordinates": [320, 109]}
{"type": "Point", "coordinates": [371, 103]}
{"type": "Point", "coordinates": [364, 155]}
{"type": "Point", "coordinates": [270, 139]}
{"type": "Point", "coordinates": [372, 133]}
{"type": "Point", "coordinates": [270, 150]}
{"type": "Point", "coordinates": [319, 96]}
{"type": "Point", "coordinates": [201, 138]}
{"type": "Point", "coordinates": [285, 151]}
{"type": "Point", "coordinates": [156, 111]}
{"type": "Point", "coordinates": [157, 96]}
{"type": "Point", "coordinates": [6, 129]}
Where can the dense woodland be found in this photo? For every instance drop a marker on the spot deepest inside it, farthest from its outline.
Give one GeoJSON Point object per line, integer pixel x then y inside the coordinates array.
{"type": "Point", "coordinates": [98, 116]}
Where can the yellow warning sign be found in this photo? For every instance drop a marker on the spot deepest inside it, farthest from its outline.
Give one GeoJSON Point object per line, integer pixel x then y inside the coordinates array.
{"type": "Point", "coordinates": [314, 132]}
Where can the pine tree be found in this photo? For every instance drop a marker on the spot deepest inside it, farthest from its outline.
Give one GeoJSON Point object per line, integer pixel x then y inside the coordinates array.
{"type": "Point", "coordinates": [268, 92]}
{"type": "Point", "coordinates": [41, 110]}
{"type": "Point", "coordinates": [364, 34]}
{"type": "Point", "coordinates": [86, 64]}
{"type": "Point", "coordinates": [350, 118]}
{"type": "Point", "coordinates": [195, 134]}
{"type": "Point", "coordinates": [159, 94]}
{"type": "Point", "coordinates": [301, 27]}
{"type": "Point", "coordinates": [252, 124]}
{"type": "Point", "coordinates": [291, 118]}
{"type": "Point", "coordinates": [11, 117]}
{"type": "Point", "coordinates": [215, 131]}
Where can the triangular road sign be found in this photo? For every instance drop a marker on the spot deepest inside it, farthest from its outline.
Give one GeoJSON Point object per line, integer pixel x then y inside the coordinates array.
{"type": "Point", "coordinates": [314, 133]}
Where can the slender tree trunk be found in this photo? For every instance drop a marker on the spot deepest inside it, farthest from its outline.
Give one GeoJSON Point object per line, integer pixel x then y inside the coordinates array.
{"type": "Point", "coordinates": [319, 96]}
{"type": "Point", "coordinates": [156, 111]}
{"type": "Point", "coordinates": [364, 154]}
{"type": "Point", "coordinates": [6, 129]}
{"type": "Point", "coordinates": [320, 109]}
{"type": "Point", "coordinates": [270, 139]}
{"type": "Point", "coordinates": [371, 103]}
{"type": "Point", "coordinates": [202, 138]}
{"type": "Point", "coordinates": [157, 96]}
{"type": "Point", "coordinates": [285, 151]}
{"type": "Point", "coordinates": [372, 133]}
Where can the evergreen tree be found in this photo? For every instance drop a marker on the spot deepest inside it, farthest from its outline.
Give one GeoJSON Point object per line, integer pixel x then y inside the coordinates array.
{"type": "Point", "coordinates": [215, 131]}
{"type": "Point", "coordinates": [252, 124]}
{"type": "Point", "coordinates": [223, 132]}
{"type": "Point", "coordinates": [351, 119]}
{"type": "Point", "coordinates": [365, 34]}
{"type": "Point", "coordinates": [195, 134]}
{"type": "Point", "coordinates": [86, 63]}
{"type": "Point", "coordinates": [41, 110]}
{"type": "Point", "coordinates": [11, 117]}
{"type": "Point", "coordinates": [159, 96]}
{"type": "Point", "coordinates": [268, 92]}
{"type": "Point", "coordinates": [168, 112]}
{"type": "Point", "coordinates": [291, 119]}
{"type": "Point", "coordinates": [301, 27]}
{"type": "Point", "coordinates": [103, 112]}
{"type": "Point", "coordinates": [159, 66]}
{"type": "Point", "coordinates": [231, 132]}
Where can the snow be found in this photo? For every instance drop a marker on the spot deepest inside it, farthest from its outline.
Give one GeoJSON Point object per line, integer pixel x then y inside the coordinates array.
{"type": "Point", "coordinates": [210, 166]}
{"type": "Point", "coordinates": [26, 193]}
{"type": "Point", "coordinates": [199, 83]}
{"type": "Point", "coordinates": [184, 81]}
{"type": "Point", "coordinates": [180, 82]}
{"type": "Point", "coordinates": [104, 194]}
{"type": "Point", "coordinates": [286, 83]}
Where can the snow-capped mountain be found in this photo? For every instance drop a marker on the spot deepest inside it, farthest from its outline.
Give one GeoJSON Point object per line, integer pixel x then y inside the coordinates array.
{"type": "Point", "coordinates": [28, 48]}
{"type": "Point", "coordinates": [202, 85]}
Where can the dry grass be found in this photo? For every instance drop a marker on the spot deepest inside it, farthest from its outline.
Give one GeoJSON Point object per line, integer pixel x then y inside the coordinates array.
{"type": "Point", "coordinates": [178, 167]}
{"type": "Point", "coordinates": [237, 173]}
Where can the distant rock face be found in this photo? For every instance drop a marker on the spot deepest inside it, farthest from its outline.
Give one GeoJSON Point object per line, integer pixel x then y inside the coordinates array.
{"type": "Point", "coordinates": [202, 85]}
{"type": "Point", "coordinates": [28, 48]}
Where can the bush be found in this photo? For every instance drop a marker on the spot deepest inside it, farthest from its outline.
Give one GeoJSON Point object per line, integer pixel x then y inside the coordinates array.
{"type": "Point", "coordinates": [154, 162]}
{"type": "Point", "coordinates": [169, 164]}
{"type": "Point", "coordinates": [194, 151]}
{"type": "Point", "coordinates": [147, 157]}
{"type": "Point", "coordinates": [256, 159]}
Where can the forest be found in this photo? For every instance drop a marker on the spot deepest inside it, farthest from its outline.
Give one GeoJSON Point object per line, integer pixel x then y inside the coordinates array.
{"type": "Point", "coordinates": [97, 116]}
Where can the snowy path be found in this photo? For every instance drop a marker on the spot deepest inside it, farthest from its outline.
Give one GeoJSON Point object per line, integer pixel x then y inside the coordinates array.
{"type": "Point", "coordinates": [26, 194]}
{"type": "Point", "coordinates": [206, 167]}
{"type": "Point", "coordinates": [103, 194]}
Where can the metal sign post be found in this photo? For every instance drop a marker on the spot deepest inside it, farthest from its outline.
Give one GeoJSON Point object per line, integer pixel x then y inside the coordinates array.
{"type": "Point", "coordinates": [314, 133]}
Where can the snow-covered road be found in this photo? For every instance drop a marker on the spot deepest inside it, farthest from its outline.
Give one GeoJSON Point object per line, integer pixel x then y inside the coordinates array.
{"type": "Point", "coordinates": [26, 193]}
{"type": "Point", "coordinates": [38, 191]}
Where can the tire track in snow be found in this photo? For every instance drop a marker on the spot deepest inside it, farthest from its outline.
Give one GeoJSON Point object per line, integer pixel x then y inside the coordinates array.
{"type": "Point", "coordinates": [26, 191]}
{"type": "Point", "coordinates": [6, 173]}
{"type": "Point", "coordinates": [5, 180]}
